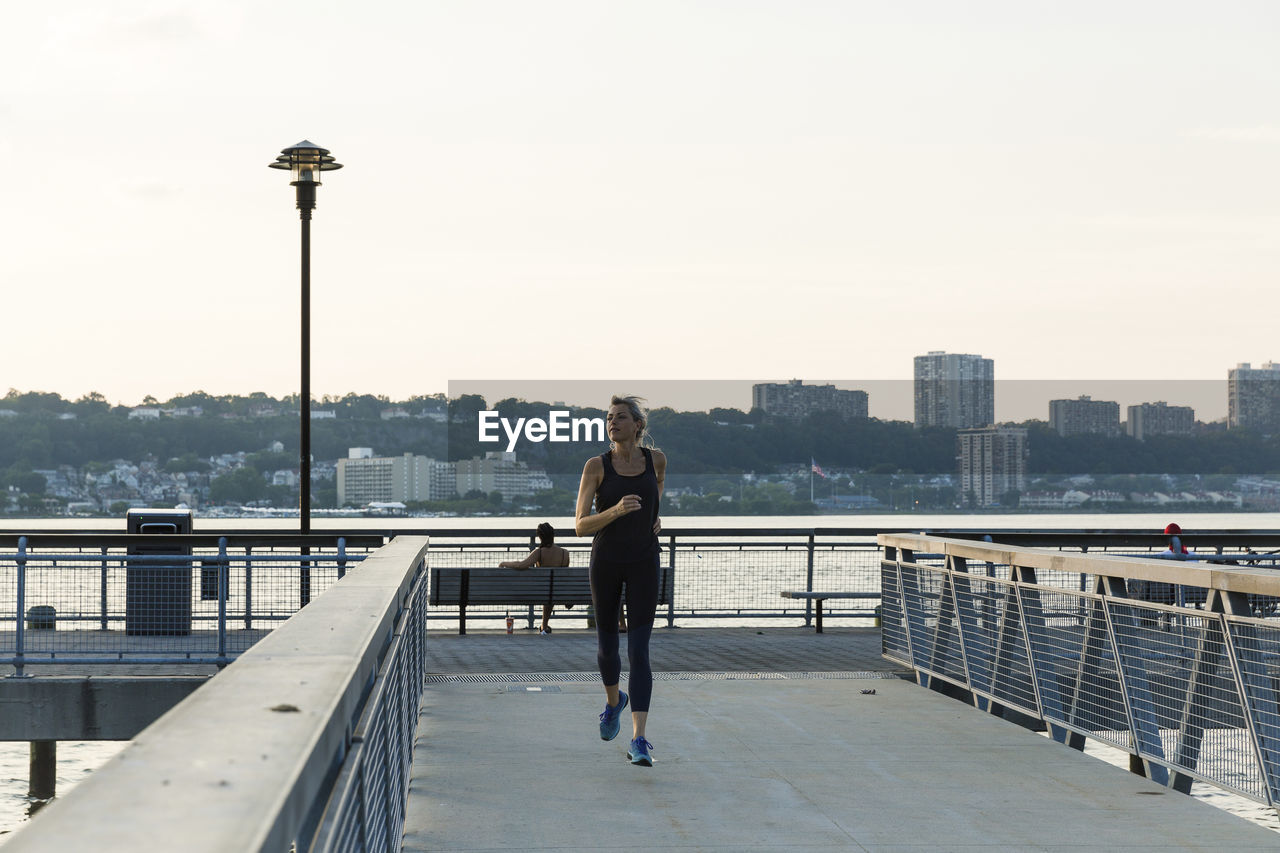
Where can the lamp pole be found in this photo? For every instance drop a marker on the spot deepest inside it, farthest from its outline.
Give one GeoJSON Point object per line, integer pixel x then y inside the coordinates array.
{"type": "Point", "coordinates": [305, 161]}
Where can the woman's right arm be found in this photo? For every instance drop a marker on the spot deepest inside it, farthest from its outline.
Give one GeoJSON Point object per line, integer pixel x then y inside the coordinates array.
{"type": "Point", "coordinates": [585, 523]}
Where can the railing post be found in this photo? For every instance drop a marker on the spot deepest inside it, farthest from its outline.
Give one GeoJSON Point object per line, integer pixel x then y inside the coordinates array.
{"type": "Point", "coordinates": [223, 582]}
{"type": "Point", "coordinates": [808, 584]}
{"type": "Point", "coordinates": [962, 598]}
{"type": "Point", "coordinates": [19, 647]}
{"type": "Point", "coordinates": [532, 544]}
{"type": "Point", "coordinates": [102, 596]}
{"type": "Point", "coordinates": [248, 588]}
{"type": "Point", "coordinates": [1083, 610]}
{"type": "Point", "coordinates": [671, 581]}
{"type": "Point", "coordinates": [304, 577]}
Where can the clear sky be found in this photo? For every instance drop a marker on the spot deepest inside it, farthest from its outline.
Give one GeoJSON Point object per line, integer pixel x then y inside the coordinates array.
{"type": "Point", "coordinates": [607, 190]}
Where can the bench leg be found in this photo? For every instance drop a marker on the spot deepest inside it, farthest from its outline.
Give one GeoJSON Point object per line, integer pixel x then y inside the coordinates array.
{"type": "Point", "coordinates": [819, 631]}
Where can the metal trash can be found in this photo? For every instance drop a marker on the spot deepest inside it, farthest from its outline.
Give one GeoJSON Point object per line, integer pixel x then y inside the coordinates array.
{"type": "Point", "coordinates": [42, 617]}
{"type": "Point", "coordinates": [158, 596]}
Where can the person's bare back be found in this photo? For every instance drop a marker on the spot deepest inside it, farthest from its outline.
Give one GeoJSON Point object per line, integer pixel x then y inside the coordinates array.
{"type": "Point", "coordinates": [553, 557]}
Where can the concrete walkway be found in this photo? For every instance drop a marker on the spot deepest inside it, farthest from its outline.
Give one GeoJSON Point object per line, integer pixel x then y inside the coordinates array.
{"type": "Point", "coordinates": [762, 763]}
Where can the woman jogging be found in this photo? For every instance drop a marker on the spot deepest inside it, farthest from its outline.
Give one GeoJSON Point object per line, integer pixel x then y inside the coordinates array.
{"type": "Point", "coordinates": [547, 555]}
{"type": "Point", "coordinates": [625, 486]}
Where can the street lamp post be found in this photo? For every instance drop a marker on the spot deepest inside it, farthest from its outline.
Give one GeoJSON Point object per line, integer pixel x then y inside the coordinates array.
{"type": "Point", "coordinates": [305, 161]}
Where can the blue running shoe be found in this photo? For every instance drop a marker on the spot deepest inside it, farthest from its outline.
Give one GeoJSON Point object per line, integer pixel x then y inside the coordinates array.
{"type": "Point", "coordinates": [639, 752]}
{"type": "Point", "coordinates": [611, 717]}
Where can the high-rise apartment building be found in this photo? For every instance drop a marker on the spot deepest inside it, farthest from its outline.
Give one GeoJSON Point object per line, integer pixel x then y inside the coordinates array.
{"type": "Point", "coordinates": [443, 481]}
{"type": "Point", "coordinates": [1084, 416]}
{"type": "Point", "coordinates": [364, 479]}
{"type": "Point", "coordinates": [796, 400]}
{"type": "Point", "coordinates": [1147, 419]}
{"type": "Point", "coordinates": [1253, 397]}
{"type": "Point", "coordinates": [954, 390]}
{"type": "Point", "coordinates": [992, 463]}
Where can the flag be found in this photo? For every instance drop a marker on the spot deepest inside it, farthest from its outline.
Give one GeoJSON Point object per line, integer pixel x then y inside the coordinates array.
{"type": "Point", "coordinates": [815, 468]}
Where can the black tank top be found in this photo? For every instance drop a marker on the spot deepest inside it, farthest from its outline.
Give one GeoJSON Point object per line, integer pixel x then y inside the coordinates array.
{"type": "Point", "coordinates": [630, 537]}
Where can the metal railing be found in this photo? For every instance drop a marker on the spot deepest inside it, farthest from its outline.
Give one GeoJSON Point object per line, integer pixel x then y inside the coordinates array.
{"type": "Point", "coordinates": [1191, 691]}
{"type": "Point", "coordinates": [717, 574]}
{"type": "Point", "coordinates": [305, 743]}
{"type": "Point", "coordinates": [153, 599]}
{"type": "Point", "coordinates": [737, 573]}
{"type": "Point", "coordinates": [66, 598]}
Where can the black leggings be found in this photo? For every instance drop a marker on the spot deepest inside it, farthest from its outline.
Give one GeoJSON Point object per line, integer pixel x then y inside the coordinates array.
{"type": "Point", "coordinates": [641, 580]}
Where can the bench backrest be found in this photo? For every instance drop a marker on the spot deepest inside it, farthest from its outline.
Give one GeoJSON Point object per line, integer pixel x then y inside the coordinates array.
{"type": "Point", "coordinates": [569, 585]}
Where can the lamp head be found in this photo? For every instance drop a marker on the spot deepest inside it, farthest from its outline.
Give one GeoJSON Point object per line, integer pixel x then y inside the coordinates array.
{"type": "Point", "coordinates": [305, 161]}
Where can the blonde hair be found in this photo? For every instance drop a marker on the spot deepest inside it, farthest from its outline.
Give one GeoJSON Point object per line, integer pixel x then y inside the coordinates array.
{"type": "Point", "coordinates": [638, 413]}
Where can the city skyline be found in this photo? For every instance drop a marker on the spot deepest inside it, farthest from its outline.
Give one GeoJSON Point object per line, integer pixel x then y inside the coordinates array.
{"type": "Point", "coordinates": [776, 190]}
{"type": "Point", "coordinates": [1015, 400]}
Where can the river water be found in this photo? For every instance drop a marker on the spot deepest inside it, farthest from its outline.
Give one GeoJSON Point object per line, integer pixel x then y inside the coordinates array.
{"type": "Point", "coordinates": [77, 759]}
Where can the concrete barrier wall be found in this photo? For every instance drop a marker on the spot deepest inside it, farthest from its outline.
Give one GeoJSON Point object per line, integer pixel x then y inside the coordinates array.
{"type": "Point", "coordinates": [87, 707]}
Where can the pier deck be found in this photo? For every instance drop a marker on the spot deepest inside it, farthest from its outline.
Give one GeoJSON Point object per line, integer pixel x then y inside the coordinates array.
{"type": "Point", "coordinates": [750, 761]}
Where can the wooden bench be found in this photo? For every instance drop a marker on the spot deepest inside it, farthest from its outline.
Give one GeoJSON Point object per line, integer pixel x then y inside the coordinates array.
{"type": "Point", "coordinates": [464, 587]}
{"type": "Point", "coordinates": [823, 596]}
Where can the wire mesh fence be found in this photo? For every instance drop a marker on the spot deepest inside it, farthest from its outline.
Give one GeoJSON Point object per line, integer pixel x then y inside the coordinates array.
{"type": "Point", "coordinates": [1183, 676]}
{"type": "Point", "coordinates": [1256, 647]}
{"type": "Point", "coordinates": [1076, 673]}
{"type": "Point", "coordinates": [894, 637]}
{"type": "Point", "coordinates": [154, 603]}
